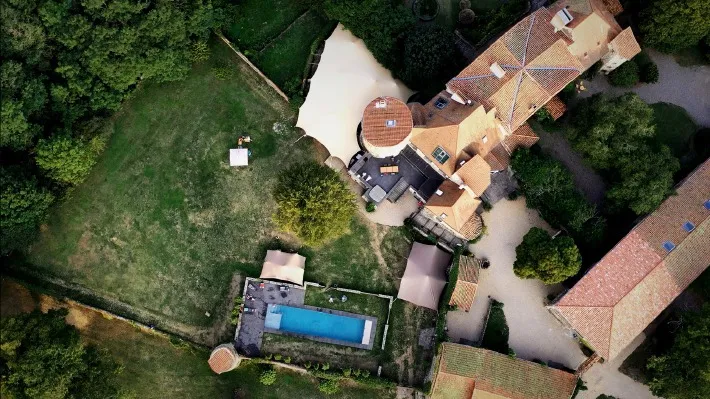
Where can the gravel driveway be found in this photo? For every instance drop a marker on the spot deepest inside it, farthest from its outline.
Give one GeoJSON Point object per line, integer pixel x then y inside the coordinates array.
{"type": "Point", "coordinates": [534, 332]}
{"type": "Point", "coordinates": [688, 87]}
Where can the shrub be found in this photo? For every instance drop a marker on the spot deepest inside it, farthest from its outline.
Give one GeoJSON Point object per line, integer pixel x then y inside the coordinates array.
{"type": "Point", "coordinates": [592, 71]}
{"type": "Point", "coordinates": [543, 116]}
{"type": "Point", "coordinates": [357, 372]}
{"type": "Point", "coordinates": [551, 260]}
{"type": "Point", "coordinates": [467, 16]}
{"type": "Point", "coordinates": [68, 160]}
{"type": "Point", "coordinates": [464, 4]}
{"type": "Point", "coordinates": [236, 310]}
{"type": "Point", "coordinates": [370, 207]}
{"type": "Point", "coordinates": [268, 377]}
{"type": "Point", "coordinates": [487, 205]}
{"type": "Point", "coordinates": [314, 203]}
{"type": "Point", "coordinates": [287, 360]}
{"type": "Point", "coordinates": [511, 353]}
{"type": "Point", "coordinates": [199, 52]}
{"type": "Point", "coordinates": [626, 75]}
{"type": "Point", "coordinates": [325, 366]}
{"type": "Point", "coordinates": [648, 70]}
{"type": "Point", "coordinates": [269, 356]}
{"type": "Point", "coordinates": [347, 372]}
{"type": "Point", "coordinates": [568, 93]}
{"type": "Point", "coordinates": [307, 365]}
{"type": "Point", "coordinates": [222, 72]}
{"type": "Point", "coordinates": [329, 387]}
{"type": "Point", "coordinates": [277, 357]}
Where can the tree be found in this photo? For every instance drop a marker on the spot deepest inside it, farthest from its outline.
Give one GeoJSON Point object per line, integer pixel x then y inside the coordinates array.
{"type": "Point", "coordinates": [683, 371]}
{"type": "Point", "coordinates": [617, 136]}
{"type": "Point", "coordinates": [671, 25]}
{"type": "Point", "coordinates": [551, 260]}
{"type": "Point", "coordinates": [67, 159]}
{"type": "Point", "coordinates": [313, 203]}
{"type": "Point", "coordinates": [23, 201]}
{"type": "Point", "coordinates": [626, 75]}
{"type": "Point", "coordinates": [428, 55]}
{"type": "Point", "coordinates": [43, 357]}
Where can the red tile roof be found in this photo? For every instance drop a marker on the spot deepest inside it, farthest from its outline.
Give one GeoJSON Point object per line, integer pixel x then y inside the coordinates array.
{"type": "Point", "coordinates": [465, 371]}
{"type": "Point", "coordinates": [223, 358]}
{"type": "Point", "coordinates": [378, 114]}
{"type": "Point", "coordinates": [537, 65]}
{"type": "Point", "coordinates": [625, 44]}
{"type": "Point", "coordinates": [466, 283]}
{"type": "Point", "coordinates": [556, 107]}
{"type": "Point", "coordinates": [632, 284]}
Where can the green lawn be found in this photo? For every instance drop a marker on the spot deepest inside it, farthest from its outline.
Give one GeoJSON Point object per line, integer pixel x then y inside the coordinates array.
{"type": "Point", "coordinates": [163, 223]}
{"type": "Point", "coordinates": [259, 21]}
{"type": "Point", "coordinates": [496, 335]}
{"type": "Point", "coordinates": [284, 60]}
{"type": "Point", "coordinates": [674, 127]}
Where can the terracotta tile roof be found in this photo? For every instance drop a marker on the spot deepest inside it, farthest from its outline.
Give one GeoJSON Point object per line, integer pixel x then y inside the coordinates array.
{"type": "Point", "coordinates": [524, 136]}
{"type": "Point", "coordinates": [537, 65]}
{"type": "Point", "coordinates": [223, 359]}
{"type": "Point", "coordinates": [556, 107]}
{"type": "Point", "coordinates": [614, 6]}
{"type": "Point", "coordinates": [494, 373]}
{"type": "Point", "coordinates": [458, 205]}
{"type": "Point", "coordinates": [625, 44]}
{"type": "Point", "coordinates": [466, 283]}
{"type": "Point", "coordinates": [632, 284]}
{"type": "Point", "coordinates": [472, 228]}
{"type": "Point", "coordinates": [498, 158]}
{"type": "Point", "coordinates": [476, 174]}
{"type": "Point", "coordinates": [386, 122]}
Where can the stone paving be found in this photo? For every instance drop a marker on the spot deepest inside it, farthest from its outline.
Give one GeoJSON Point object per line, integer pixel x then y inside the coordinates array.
{"type": "Point", "coordinates": [251, 330]}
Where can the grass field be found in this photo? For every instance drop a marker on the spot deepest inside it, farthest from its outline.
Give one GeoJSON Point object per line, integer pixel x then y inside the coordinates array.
{"type": "Point", "coordinates": [154, 368]}
{"type": "Point", "coordinates": [163, 223]}
{"type": "Point", "coordinates": [277, 36]}
{"type": "Point", "coordinates": [674, 127]}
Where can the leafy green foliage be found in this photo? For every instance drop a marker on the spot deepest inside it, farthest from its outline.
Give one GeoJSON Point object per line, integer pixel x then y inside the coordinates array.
{"type": "Point", "coordinates": [551, 260]}
{"type": "Point", "coordinates": [313, 203]}
{"type": "Point", "coordinates": [268, 377]}
{"type": "Point", "coordinates": [370, 207]}
{"type": "Point", "coordinates": [68, 160]}
{"type": "Point", "coordinates": [496, 335]}
{"type": "Point", "coordinates": [648, 70]}
{"type": "Point", "coordinates": [329, 387]}
{"type": "Point", "coordinates": [671, 25]}
{"type": "Point", "coordinates": [494, 21]}
{"type": "Point", "coordinates": [626, 75]}
{"type": "Point", "coordinates": [43, 357]}
{"type": "Point", "coordinates": [23, 201]}
{"type": "Point", "coordinates": [199, 52]}
{"type": "Point", "coordinates": [682, 372]}
{"type": "Point", "coordinates": [428, 54]}
{"type": "Point", "coordinates": [549, 187]}
{"type": "Point", "coordinates": [617, 136]}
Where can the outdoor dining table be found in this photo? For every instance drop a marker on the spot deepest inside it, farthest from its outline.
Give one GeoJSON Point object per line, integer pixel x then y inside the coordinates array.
{"type": "Point", "coordinates": [390, 169]}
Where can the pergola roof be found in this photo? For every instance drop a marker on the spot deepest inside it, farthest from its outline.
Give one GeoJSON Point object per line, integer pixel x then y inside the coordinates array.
{"type": "Point", "coordinates": [284, 266]}
{"type": "Point", "coordinates": [425, 276]}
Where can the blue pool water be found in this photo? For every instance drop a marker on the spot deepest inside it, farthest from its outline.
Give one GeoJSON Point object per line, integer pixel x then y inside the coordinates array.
{"type": "Point", "coordinates": [314, 323]}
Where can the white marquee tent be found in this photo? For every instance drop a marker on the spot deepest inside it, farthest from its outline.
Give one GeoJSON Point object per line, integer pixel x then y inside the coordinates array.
{"type": "Point", "coordinates": [347, 79]}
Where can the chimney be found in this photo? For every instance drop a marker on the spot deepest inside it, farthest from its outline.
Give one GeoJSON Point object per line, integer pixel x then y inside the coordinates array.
{"type": "Point", "coordinates": [497, 70]}
{"type": "Point", "coordinates": [561, 19]}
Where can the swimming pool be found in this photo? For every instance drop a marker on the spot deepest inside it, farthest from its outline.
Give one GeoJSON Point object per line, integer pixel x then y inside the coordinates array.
{"type": "Point", "coordinates": [319, 325]}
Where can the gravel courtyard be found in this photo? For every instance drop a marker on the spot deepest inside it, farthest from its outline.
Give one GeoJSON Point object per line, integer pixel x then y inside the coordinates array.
{"type": "Point", "coordinates": [534, 332]}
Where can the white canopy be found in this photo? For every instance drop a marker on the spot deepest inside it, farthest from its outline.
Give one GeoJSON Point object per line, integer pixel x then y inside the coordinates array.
{"type": "Point", "coordinates": [284, 266]}
{"type": "Point", "coordinates": [347, 79]}
{"type": "Point", "coordinates": [238, 157]}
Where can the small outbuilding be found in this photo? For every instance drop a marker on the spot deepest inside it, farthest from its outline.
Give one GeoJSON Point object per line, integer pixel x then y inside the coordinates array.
{"type": "Point", "coordinates": [466, 283]}
{"type": "Point", "coordinates": [284, 266]}
{"type": "Point", "coordinates": [224, 358]}
{"type": "Point", "coordinates": [425, 276]}
{"type": "Point", "coordinates": [238, 157]}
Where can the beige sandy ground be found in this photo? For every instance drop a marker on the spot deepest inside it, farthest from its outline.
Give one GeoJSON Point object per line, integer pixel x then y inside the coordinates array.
{"type": "Point", "coordinates": [534, 332]}
{"type": "Point", "coordinates": [390, 214]}
{"type": "Point", "coordinates": [687, 87]}
{"type": "Point", "coordinates": [607, 379]}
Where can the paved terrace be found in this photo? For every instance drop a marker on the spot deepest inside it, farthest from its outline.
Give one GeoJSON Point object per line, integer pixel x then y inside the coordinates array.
{"type": "Point", "coordinates": [251, 330]}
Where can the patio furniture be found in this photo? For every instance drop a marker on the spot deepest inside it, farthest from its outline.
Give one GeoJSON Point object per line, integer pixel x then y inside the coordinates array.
{"type": "Point", "coordinates": [389, 169]}
{"type": "Point", "coordinates": [376, 194]}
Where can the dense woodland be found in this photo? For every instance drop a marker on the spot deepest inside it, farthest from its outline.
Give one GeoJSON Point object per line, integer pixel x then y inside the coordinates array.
{"type": "Point", "coordinates": [65, 67]}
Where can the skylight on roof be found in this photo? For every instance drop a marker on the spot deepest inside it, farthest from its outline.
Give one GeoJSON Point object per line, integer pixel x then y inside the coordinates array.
{"type": "Point", "coordinates": [688, 226]}
{"type": "Point", "coordinates": [707, 205]}
{"type": "Point", "coordinates": [440, 155]}
{"type": "Point", "coordinates": [391, 123]}
{"type": "Point", "coordinates": [440, 103]}
{"type": "Point", "coordinates": [668, 246]}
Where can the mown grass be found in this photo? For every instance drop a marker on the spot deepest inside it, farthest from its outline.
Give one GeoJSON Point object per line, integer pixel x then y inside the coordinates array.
{"type": "Point", "coordinates": [284, 60]}
{"type": "Point", "coordinates": [259, 21]}
{"type": "Point", "coordinates": [163, 222]}
{"type": "Point", "coordinates": [674, 127]}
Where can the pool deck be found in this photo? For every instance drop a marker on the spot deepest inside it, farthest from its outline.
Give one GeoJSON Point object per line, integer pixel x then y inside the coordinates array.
{"type": "Point", "coordinates": [250, 330]}
{"type": "Point", "coordinates": [368, 346]}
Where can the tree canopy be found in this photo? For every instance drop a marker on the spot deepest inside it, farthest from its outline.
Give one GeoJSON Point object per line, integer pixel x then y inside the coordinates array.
{"type": "Point", "coordinates": [683, 372]}
{"type": "Point", "coordinates": [548, 187]}
{"type": "Point", "coordinates": [551, 260]}
{"type": "Point", "coordinates": [428, 55]}
{"type": "Point", "coordinates": [671, 25]}
{"type": "Point", "coordinates": [43, 357]}
{"type": "Point", "coordinates": [313, 203]}
{"type": "Point", "coordinates": [617, 136]}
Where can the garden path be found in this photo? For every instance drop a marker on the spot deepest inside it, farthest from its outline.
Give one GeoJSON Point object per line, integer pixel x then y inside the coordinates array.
{"type": "Point", "coordinates": [534, 332]}
{"type": "Point", "coordinates": [687, 87]}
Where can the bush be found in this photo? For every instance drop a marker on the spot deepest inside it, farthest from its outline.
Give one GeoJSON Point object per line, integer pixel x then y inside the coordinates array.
{"type": "Point", "coordinates": [287, 360]}
{"type": "Point", "coordinates": [278, 357]}
{"type": "Point", "coordinates": [236, 310]}
{"type": "Point", "coordinates": [199, 52]}
{"type": "Point", "coordinates": [347, 372]}
{"type": "Point", "coordinates": [464, 4]}
{"type": "Point", "coordinates": [551, 260]}
{"type": "Point", "coordinates": [592, 72]}
{"type": "Point", "coordinates": [370, 207]}
{"type": "Point", "coordinates": [467, 16]}
{"type": "Point", "coordinates": [543, 116]}
{"type": "Point", "coordinates": [626, 75]}
{"type": "Point", "coordinates": [329, 387]}
{"type": "Point", "coordinates": [307, 365]}
{"type": "Point", "coordinates": [68, 160]}
{"type": "Point", "coordinates": [268, 377]}
{"type": "Point", "coordinates": [222, 72]}
{"type": "Point", "coordinates": [648, 70]}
